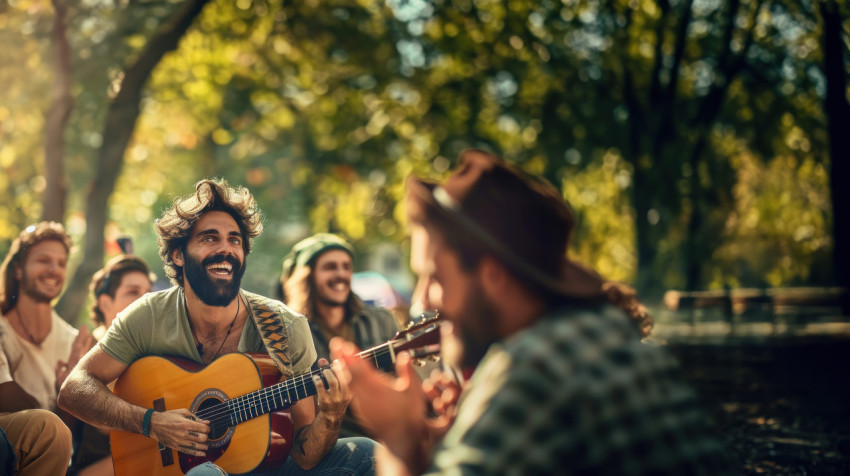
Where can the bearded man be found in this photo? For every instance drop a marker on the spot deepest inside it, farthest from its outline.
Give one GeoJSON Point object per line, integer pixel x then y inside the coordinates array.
{"type": "Point", "coordinates": [316, 281]}
{"type": "Point", "coordinates": [562, 383]}
{"type": "Point", "coordinates": [204, 240]}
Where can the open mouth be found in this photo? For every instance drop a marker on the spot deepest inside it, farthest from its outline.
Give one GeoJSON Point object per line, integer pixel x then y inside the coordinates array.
{"type": "Point", "coordinates": [339, 285]}
{"type": "Point", "coordinates": [52, 282]}
{"type": "Point", "coordinates": [222, 269]}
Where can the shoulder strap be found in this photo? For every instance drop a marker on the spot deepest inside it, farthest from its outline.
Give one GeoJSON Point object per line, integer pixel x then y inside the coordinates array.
{"type": "Point", "coordinates": [270, 325]}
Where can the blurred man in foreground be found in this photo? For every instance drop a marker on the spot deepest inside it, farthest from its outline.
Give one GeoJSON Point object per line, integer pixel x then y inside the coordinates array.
{"type": "Point", "coordinates": [562, 383]}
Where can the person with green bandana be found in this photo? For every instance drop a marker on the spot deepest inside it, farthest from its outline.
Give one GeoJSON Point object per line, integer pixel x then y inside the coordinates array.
{"type": "Point", "coordinates": [316, 282]}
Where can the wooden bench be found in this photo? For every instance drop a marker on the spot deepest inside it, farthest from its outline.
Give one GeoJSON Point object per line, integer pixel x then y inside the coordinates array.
{"type": "Point", "coordinates": [793, 307]}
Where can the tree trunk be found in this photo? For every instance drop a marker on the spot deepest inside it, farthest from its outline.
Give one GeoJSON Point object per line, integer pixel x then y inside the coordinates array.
{"type": "Point", "coordinates": [56, 186]}
{"type": "Point", "coordinates": [646, 234]}
{"type": "Point", "coordinates": [117, 132]}
{"type": "Point", "coordinates": [695, 243]}
{"type": "Point", "coordinates": [837, 111]}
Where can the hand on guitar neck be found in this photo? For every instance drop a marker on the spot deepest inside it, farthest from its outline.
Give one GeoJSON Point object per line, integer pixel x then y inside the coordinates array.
{"type": "Point", "coordinates": [333, 403]}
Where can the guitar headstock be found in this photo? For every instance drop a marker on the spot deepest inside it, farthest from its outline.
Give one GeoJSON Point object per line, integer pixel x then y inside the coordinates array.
{"type": "Point", "coordinates": [420, 339]}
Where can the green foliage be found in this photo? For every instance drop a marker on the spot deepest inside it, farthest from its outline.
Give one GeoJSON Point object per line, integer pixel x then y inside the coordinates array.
{"type": "Point", "coordinates": [324, 108]}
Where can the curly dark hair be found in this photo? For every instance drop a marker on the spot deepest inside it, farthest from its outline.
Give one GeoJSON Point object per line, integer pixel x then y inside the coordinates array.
{"type": "Point", "coordinates": [175, 225]}
{"type": "Point", "coordinates": [29, 237]}
{"type": "Point", "coordinates": [108, 279]}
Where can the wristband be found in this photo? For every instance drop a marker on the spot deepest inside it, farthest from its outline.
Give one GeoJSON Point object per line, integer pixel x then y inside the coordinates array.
{"type": "Point", "coordinates": [146, 422]}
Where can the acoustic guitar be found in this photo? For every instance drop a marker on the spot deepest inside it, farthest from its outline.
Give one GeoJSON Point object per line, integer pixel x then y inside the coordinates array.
{"type": "Point", "coordinates": [242, 397]}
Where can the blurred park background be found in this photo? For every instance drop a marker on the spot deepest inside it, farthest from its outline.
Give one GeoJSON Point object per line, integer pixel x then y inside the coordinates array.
{"type": "Point", "coordinates": [702, 144]}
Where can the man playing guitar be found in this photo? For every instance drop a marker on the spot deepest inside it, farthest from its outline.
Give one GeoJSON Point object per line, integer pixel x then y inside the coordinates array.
{"type": "Point", "coordinates": [204, 239]}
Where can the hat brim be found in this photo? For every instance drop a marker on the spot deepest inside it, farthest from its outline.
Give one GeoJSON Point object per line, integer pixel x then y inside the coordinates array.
{"type": "Point", "coordinates": [573, 280]}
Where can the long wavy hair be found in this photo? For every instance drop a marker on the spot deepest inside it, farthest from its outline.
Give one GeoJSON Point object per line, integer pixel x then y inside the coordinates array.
{"type": "Point", "coordinates": [21, 246]}
{"type": "Point", "coordinates": [299, 290]}
{"type": "Point", "coordinates": [175, 225]}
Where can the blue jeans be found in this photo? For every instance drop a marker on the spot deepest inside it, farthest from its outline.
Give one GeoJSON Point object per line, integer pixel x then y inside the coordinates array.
{"type": "Point", "coordinates": [350, 456]}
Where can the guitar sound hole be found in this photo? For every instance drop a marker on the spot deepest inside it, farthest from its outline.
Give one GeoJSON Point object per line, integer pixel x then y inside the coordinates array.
{"type": "Point", "coordinates": [211, 405]}
{"type": "Point", "coordinates": [217, 428]}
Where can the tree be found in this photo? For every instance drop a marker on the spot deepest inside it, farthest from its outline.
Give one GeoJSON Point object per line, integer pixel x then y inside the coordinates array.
{"type": "Point", "coordinates": [686, 114]}
{"type": "Point", "coordinates": [837, 107]}
{"type": "Point", "coordinates": [53, 205]}
{"type": "Point", "coordinates": [118, 129]}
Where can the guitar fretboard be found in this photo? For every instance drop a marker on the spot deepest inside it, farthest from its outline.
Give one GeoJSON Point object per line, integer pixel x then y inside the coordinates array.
{"type": "Point", "coordinates": [282, 395]}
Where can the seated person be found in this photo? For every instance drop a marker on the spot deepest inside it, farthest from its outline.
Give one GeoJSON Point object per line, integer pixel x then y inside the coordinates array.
{"type": "Point", "coordinates": [32, 442]}
{"type": "Point", "coordinates": [124, 279]}
{"type": "Point", "coordinates": [316, 281]}
{"type": "Point", "coordinates": [40, 348]}
{"type": "Point", "coordinates": [204, 240]}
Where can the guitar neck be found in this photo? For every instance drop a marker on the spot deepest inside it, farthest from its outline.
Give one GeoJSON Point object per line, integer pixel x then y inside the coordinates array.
{"type": "Point", "coordinates": [285, 394]}
{"type": "Point", "coordinates": [420, 340]}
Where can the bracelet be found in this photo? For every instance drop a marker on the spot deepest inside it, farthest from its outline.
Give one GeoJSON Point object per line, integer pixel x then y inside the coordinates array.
{"type": "Point", "coordinates": [146, 422]}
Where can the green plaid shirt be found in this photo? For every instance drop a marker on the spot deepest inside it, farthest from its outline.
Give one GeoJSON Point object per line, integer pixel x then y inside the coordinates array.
{"type": "Point", "coordinates": [578, 393]}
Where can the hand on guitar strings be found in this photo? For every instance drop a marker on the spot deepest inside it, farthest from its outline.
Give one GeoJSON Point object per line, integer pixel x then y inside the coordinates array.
{"type": "Point", "coordinates": [443, 393]}
{"type": "Point", "coordinates": [392, 408]}
{"type": "Point", "coordinates": [181, 430]}
{"type": "Point", "coordinates": [443, 387]}
{"type": "Point", "coordinates": [388, 406]}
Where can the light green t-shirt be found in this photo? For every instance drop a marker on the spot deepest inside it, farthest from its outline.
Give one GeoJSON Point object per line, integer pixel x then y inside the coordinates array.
{"type": "Point", "coordinates": [158, 324]}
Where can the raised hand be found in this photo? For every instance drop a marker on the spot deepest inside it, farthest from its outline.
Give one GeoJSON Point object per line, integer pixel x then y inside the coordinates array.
{"type": "Point", "coordinates": [81, 345]}
{"type": "Point", "coordinates": [394, 409]}
{"type": "Point", "coordinates": [386, 404]}
{"type": "Point", "coordinates": [443, 391]}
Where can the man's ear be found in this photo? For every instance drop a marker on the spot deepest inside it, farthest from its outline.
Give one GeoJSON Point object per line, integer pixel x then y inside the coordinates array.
{"type": "Point", "coordinates": [494, 278]}
{"type": "Point", "coordinates": [177, 257]}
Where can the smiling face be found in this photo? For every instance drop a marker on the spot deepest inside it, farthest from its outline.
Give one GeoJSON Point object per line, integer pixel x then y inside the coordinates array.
{"type": "Point", "coordinates": [332, 277]}
{"type": "Point", "coordinates": [444, 285]}
{"type": "Point", "coordinates": [213, 259]}
{"type": "Point", "coordinates": [42, 274]}
{"type": "Point", "coordinates": [134, 284]}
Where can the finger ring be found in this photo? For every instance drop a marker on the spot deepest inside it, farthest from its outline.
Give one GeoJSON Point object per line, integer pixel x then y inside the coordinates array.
{"type": "Point", "coordinates": [193, 433]}
{"type": "Point", "coordinates": [193, 446]}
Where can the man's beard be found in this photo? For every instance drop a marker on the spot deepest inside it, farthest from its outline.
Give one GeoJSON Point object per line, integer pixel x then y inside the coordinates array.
{"type": "Point", "coordinates": [477, 331]}
{"type": "Point", "coordinates": [30, 288]}
{"type": "Point", "coordinates": [212, 291]}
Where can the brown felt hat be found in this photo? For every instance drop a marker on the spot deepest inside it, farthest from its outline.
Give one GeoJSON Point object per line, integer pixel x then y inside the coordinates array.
{"type": "Point", "coordinates": [522, 220]}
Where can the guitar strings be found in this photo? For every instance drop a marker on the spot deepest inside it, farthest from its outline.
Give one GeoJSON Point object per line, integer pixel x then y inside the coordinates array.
{"type": "Point", "coordinates": [222, 411]}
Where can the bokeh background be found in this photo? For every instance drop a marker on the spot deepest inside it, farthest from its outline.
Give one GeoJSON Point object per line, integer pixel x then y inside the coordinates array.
{"type": "Point", "coordinates": [702, 143]}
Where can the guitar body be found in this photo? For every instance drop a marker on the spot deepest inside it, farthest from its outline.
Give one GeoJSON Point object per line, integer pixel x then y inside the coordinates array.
{"type": "Point", "coordinates": [171, 384]}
